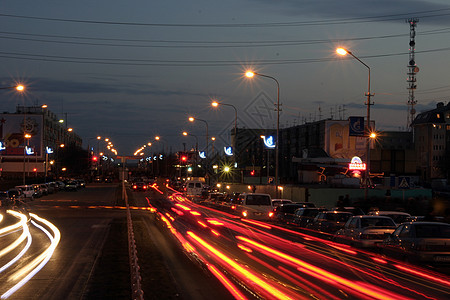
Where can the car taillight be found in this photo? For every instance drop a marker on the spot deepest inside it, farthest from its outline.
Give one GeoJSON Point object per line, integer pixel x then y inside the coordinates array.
{"type": "Point", "coordinates": [145, 187]}
{"type": "Point", "coordinates": [244, 213]}
{"type": "Point", "coordinates": [134, 187]}
{"type": "Point", "coordinates": [233, 206]}
{"type": "Point", "coordinates": [271, 214]}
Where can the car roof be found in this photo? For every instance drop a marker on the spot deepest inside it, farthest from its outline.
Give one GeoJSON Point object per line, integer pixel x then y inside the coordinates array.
{"type": "Point", "coordinates": [371, 217]}
{"type": "Point", "coordinates": [388, 212]}
{"type": "Point", "coordinates": [426, 223]}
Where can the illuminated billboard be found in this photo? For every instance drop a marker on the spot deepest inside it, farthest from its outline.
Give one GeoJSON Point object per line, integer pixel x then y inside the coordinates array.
{"type": "Point", "coordinates": [13, 128]}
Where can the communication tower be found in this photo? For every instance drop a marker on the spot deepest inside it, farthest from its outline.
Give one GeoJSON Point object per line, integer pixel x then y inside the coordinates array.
{"type": "Point", "coordinates": [412, 70]}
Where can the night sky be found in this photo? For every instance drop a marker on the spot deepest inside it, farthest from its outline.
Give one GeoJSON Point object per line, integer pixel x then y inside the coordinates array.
{"type": "Point", "coordinates": [130, 70]}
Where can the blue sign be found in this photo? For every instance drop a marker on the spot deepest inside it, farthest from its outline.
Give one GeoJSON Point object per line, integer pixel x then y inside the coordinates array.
{"type": "Point", "coordinates": [49, 150]}
{"type": "Point", "coordinates": [269, 141]}
{"type": "Point", "coordinates": [202, 154]}
{"type": "Point", "coordinates": [228, 150]}
{"type": "Point", "coordinates": [2, 147]}
{"type": "Point", "coordinates": [29, 151]}
{"type": "Point", "coordinates": [356, 126]}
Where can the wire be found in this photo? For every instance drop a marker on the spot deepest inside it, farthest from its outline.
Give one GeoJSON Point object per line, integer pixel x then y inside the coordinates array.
{"type": "Point", "coordinates": [240, 25]}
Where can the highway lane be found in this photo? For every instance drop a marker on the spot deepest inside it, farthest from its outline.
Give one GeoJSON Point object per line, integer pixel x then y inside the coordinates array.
{"type": "Point", "coordinates": [85, 264]}
{"type": "Point", "coordinates": [274, 262]}
{"type": "Point", "coordinates": [83, 232]}
{"type": "Point", "coordinates": [252, 260]}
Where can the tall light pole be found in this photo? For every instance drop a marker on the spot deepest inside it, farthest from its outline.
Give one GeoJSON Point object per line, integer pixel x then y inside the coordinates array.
{"type": "Point", "coordinates": [196, 141]}
{"type": "Point", "coordinates": [216, 104]}
{"type": "Point", "coordinates": [250, 74]}
{"type": "Point", "coordinates": [368, 132]}
{"type": "Point", "coordinates": [192, 119]}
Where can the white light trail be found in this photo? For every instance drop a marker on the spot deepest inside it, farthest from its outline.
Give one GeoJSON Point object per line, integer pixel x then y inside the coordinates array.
{"type": "Point", "coordinates": [39, 262]}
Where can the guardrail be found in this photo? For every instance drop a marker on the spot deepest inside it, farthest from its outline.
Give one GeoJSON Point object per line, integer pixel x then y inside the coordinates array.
{"type": "Point", "coordinates": [136, 290]}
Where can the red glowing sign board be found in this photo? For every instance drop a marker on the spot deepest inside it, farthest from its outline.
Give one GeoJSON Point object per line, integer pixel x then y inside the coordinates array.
{"type": "Point", "coordinates": [357, 164]}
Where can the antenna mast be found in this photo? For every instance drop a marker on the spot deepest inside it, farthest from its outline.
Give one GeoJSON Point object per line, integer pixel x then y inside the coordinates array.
{"type": "Point", "coordinates": [412, 70]}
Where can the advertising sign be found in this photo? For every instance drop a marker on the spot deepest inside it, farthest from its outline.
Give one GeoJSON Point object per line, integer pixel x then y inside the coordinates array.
{"type": "Point", "coordinates": [13, 128]}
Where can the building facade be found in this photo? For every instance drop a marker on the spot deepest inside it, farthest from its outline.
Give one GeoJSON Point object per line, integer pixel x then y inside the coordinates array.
{"type": "Point", "coordinates": [432, 143]}
{"type": "Point", "coordinates": [30, 138]}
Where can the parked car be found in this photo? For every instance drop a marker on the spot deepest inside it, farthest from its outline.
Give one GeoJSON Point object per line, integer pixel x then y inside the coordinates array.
{"type": "Point", "coordinates": [81, 182]}
{"type": "Point", "coordinates": [365, 231]}
{"type": "Point", "coordinates": [37, 191]}
{"type": "Point", "coordinates": [71, 185]}
{"type": "Point", "coordinates": [44, 189]}
{"type": "Point", "coordinates": [330, 221]}
{"type": "Point", "coordinates": [277, 202]}
{"type": "Point", "coordinates": [356, 211]}
{"type": "Point", "coordinates": [398, 216]}
{"type": "Point", "coordinates": [305, 215]}
{"type": "Point", "coordinates": [16, 194]}
{"type": "Point", "coordinates": [419, 241]}
{"type": "Point", "coordinates": [27, 190]}
{"type": "Point", "coordinates": [140, 186]}
{"type": "Point", "coordinates": [285, 213]}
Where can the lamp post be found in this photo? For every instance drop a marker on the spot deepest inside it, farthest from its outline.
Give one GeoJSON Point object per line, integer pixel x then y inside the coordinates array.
{"type": "Point", "coordinates": [196, 141]}
{"type": "Point", "coordinates": [192, 119]}
{"type": "Point", "coordinates": [216, 104]}
{"type": "Point", "coordinates": [251, 74]}
{"type": "Point", "coordinates": [343, 51]}
{"type": "Point", "coordinates": [27, 136]}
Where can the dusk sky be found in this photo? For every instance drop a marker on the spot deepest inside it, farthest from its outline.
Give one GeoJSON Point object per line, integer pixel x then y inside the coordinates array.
{"type": "Point", "coordinates": [130, 70]}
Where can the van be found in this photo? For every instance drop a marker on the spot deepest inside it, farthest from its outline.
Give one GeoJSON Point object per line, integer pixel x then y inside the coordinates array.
{"type": "Point", "coordinates": [27, 190]}
{"type": "Point", "coordinates": [254, 206]}
{"type": "Point", "coordinates": [194, 189]}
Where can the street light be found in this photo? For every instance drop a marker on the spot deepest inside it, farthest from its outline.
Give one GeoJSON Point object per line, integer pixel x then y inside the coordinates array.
{"type": "Point", "coordinates": [19, 88]}
{"type": "Point", "coordinates": [27, 136]}
{"type": "Point", "coordinates": [192, 119]}
{"type": "Point", "coordinates": [343, 51]}
{"type": "Point", "coordinates": [196, 141]}
{"type": "Point", "coordinates": [251, 74]}
{"type": "Point", "coordinates": [216, 104]}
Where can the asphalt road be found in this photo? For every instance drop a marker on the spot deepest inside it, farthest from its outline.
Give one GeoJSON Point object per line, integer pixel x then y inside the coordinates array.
{"type": "Point", "coordinates": [91, 260]}
{"type": "Point", "coordinates": [190, 251]}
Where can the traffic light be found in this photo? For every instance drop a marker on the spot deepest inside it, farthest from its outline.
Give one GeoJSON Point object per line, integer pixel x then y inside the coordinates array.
{"type": "Point", "coordinates": [94, 158]}
{"type": "Point", "coordinates": [252, 172]}
{"type": "Point", "coordinates": [184, 158]}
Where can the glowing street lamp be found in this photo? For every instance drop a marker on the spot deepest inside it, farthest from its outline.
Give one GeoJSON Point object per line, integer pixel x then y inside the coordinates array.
{"type": "Point", "coordinates": [192, 119]}
{"type": "Point", "coordinates": [251, 74]}
{"type": "Point", "coordinates": [19, 88]}
{"type": "Point", "coordinates": [196, 140]}
{"type": "Point", "coordinates": [216, 104]}
{"type": "Point", "coordinates": [368, 133]}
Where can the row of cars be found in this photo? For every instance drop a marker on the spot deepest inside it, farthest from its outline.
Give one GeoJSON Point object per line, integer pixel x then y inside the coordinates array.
{"type": "Point", "coordinates": [22, 192]}
{"type": "Point", "coordinates": [396, 234]}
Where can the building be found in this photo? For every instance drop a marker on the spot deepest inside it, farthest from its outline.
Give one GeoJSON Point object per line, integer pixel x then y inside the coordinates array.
{"type": "Point", "coordinates": [30, 138]}
{"type": "Point", "coordinates": [432, 143]}
{"type": "Point", "coordinates": [317, 151]}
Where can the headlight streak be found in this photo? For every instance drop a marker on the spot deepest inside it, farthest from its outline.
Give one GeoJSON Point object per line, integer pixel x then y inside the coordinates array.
{"type": "Point", "coordinates": [14, 226]}
{"type": "Point", "coordinates": [255, 279]}
{"type": "Point", "coordinates": [302, 266]}
{"type": "Point", "coordinates": [41, 260]}
{"type": "Point", "coordinates": [22, 223]}
{"type": "Point", "coordinates": [26, 232]}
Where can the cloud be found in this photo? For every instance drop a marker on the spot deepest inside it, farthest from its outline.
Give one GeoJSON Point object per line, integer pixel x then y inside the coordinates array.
{"type": "Point", "coordinates": [70, 87]}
